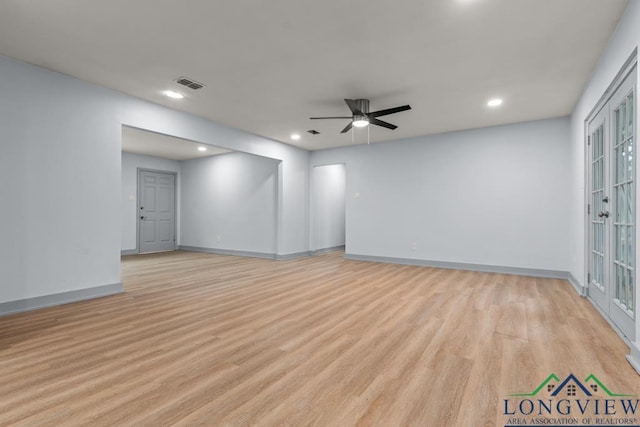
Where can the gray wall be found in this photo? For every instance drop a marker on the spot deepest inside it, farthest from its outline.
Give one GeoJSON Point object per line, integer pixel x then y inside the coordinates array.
{"type": "Point", "coordinates": [61, 153]}
{"type": "Point", "coordinates": [493, 196]}
{"type": "Point", "coordinates": [129, 211]}
{"type": "Point", "coordinates": [328, 186]}
{"type": "Point", "coordinates": [229, 202]}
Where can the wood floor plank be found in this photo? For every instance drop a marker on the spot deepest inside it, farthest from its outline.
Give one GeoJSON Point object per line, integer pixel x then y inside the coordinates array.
{"type": "Point", "coordinates": [202, 339]}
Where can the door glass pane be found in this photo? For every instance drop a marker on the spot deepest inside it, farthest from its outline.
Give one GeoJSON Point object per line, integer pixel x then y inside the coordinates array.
{"type": "Point", "coordinates": [617, 242]}
{"type": "Point", "coordinates": [600, 172]}
{"type": "Point", "coordinates": [631, 203]}
{"type": "Point", "coordinates": [631, 293]}
{"type": "Point", "coordinates": [630, 116]}
{"type": "Point", "coordinates": [619, 168]}
{"type": "Point", "coordinates": [630, 246]}
{"type": "Point", "coordinates": [629, 148]}
{"type": "Point", "coordinates": [624, 201]}
{"type": "Point", "coordinates": [600, 141]}
{"type": "Point", "coordinates": [617, 279]}
{"type": "Point", "coordinates": [617, 202]}
{"type": "Point", "coordinates": [623, 290]}
{"type": "Point", "coordinates": [621, 208]}
{"type": "Point", "coordinates": [625, 161]}
{"type": "Point", "coordinates": [600, 270]}
{"type": "Point", "coordinates": [623, 243]}
{"type": "Point", "coordinates": [622, 123]}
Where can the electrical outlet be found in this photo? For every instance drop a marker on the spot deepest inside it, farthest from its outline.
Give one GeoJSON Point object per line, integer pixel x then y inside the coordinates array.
{"type": "Point", "coordinates": [414, 246]}
{"type": "Point", "coordinates": [218, 239]}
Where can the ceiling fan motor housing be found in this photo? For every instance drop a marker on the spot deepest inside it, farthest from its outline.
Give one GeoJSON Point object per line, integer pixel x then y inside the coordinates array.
{"type": "Point", "coordinates": [363, 105]}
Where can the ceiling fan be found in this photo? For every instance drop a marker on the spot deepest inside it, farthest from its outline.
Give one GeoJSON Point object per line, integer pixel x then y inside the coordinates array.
{"type": "Point", "coordinates": [361, 116]}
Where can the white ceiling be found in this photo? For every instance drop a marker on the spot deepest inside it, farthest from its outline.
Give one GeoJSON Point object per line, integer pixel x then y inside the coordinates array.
{"type": "Point", "coordinates": [140, 141]}
{"type": "Point", "coordinates": [270, 65]}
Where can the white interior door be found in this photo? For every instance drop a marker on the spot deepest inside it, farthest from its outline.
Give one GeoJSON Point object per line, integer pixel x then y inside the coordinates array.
{"type": "Point", "coordinates": [623, 151]}
{"type": "Point", "coordinates": [612, 175]}
{"type": "Point", "coordinates": [599, 210]}
{"type": "Point", "coordinates": [156, 211]}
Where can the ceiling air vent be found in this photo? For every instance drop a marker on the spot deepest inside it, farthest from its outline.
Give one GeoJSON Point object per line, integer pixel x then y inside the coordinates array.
{"type": "Point", "coordinates": [190, 83]}
{"type": "Point", "coordinates": [313, 132]}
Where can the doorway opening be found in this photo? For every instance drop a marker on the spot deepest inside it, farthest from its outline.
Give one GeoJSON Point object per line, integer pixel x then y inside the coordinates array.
{"type": "Point", "coordinates": [328, 230]}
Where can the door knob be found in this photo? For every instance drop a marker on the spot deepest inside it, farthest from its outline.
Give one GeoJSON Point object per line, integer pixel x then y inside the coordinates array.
{"type": "Point", "coordinates": [606, 200]}
{"type": "Point", "coordinates": [603, 214]}
{"type": "Point", "coordinates": [143, 217]}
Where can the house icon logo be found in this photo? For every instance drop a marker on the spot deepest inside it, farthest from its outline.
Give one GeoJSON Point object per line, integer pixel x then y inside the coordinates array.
{"type": "Point", "coordinates": [571, 386]}
{"type": "Point", "coordinates": [571, 401]}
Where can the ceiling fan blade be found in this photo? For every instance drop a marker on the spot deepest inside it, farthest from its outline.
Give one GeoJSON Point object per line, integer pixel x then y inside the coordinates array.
{"type": "Point", "coordinates": [374, 121]}
{"type": "Point", "coordinates": [321, 118]}
{"type": "Point", "coordinates": [348, 128]}
{"type": "Point", "coordinates": [353, 107]}
{"type": "Point", "coordinates": [389, 111]}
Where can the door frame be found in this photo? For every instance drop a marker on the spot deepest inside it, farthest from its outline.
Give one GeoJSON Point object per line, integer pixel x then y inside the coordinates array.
{"type": "Point", "coordinates": [629, 66]}
{"type": "Point", "coordinates": [139, 170]}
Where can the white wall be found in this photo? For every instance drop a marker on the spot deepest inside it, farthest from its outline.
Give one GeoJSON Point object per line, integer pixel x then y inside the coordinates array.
{"type": "Point", "coordinates": [624, 40]}
{"type": "Point", "coordinates": [494, 196]}
{"type": "Point", "coordinates": [229, 202]}
{"type": "Point", "coordinates": [60, 164]}
{"type": "Point", "coordinates": [328, 200]}
{"type": "Point", "coordinates": [60, 160]}
{"type": "Point", "coordinates": [129, 210]}
{"type": "Point", "coordinates": [622, 43]}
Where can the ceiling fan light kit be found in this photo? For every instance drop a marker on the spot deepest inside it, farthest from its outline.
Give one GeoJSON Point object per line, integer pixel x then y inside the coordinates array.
{"type": "Point", "coordinates": [360, 121]}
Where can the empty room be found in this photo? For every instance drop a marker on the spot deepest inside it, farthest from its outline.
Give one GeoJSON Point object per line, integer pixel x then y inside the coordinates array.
{"type": "Point", "coordinates": [330, 213]}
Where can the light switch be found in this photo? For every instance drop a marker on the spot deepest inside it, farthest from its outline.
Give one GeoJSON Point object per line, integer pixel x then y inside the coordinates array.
{"type": "Point", "coordinates": [356, 195]}
{"type": "Point", "coordinates": [132, 198]}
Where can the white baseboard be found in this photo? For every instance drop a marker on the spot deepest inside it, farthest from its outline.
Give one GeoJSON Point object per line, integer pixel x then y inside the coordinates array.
{"type": "Point", "coordinates": [576, 284]}
{"type": "Point", "coordinates": [534, 272]}
{"type": "Point", "coordinates": [227, 252]}
{"type": "Point", "coordinates": [28, 304]}
{"type": "Point", "coordinates": [325, 250]}
{"type": "Point", "coordinates": [634, 357]}
{"type": "Point", "coordinates": [294, 255]}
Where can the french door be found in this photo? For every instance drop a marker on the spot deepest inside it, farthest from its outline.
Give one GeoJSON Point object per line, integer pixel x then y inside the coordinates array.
{"type": "Point", "coordinates": [612, 152]}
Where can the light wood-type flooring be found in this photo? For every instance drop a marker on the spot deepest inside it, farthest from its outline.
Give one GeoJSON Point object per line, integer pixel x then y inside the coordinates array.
{"type": "Point", "coordinates": [202, 339]}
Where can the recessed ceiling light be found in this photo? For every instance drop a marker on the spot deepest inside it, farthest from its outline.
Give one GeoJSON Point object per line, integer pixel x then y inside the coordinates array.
{"type": "Point", "coordinates": [295, 136]}
{"type": "Point", "coordinates": [173, 94]}
{"type": "Point", "coordinates": [494, 102]}
{"type": "Point", "coordinates": [201, 148]}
